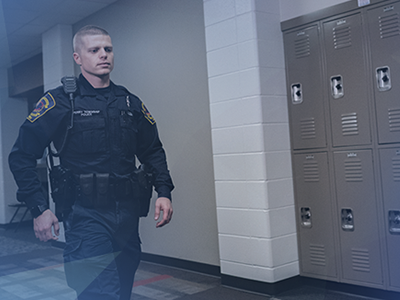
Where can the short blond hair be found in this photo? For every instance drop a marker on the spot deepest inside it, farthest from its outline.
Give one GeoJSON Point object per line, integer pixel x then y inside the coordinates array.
{"type": "Point", "coordinates": [87, 30]}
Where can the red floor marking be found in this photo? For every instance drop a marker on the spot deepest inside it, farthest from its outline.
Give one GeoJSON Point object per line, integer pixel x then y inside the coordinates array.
{"type": "Point", "coordinates": [151, 280]}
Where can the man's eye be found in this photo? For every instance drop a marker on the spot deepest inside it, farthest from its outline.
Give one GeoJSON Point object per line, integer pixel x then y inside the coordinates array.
{"type": "Point", "coordinates": [93, 50]}
{"type": "Point", "coordinates": [108, 49]}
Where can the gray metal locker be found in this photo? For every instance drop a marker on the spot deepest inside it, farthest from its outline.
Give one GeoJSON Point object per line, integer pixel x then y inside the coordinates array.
{"type": "Point", "coordinates": [359, 233]}
{"type": "Point", "coordinates": [384, 31]}
{"type": "Point", "coordinates": [390, 169]}
{"type": "Point", "coordinates": [314, 215]}
{"type": "Point", "coordinates": [347, 81]}
{"type": "Point", "coordinates": [306, 108]}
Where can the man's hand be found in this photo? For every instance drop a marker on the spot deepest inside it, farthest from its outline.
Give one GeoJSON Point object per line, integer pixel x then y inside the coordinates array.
{"type": "Point", "coordinates": [42, 226]}
{"type": "Point", "coordinates": [163, 204]}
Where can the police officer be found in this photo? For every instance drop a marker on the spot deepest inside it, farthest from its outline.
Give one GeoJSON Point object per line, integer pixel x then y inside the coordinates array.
{"type": "Point", "coordinates": [111, 128]}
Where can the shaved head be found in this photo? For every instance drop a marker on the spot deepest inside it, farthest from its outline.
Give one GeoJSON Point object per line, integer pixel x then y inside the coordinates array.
{"type": "Point", "coordinates": [87, 30]}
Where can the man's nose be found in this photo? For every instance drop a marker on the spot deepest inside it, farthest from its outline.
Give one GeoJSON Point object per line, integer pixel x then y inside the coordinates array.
{"type": "Point", "coordinates": [103, 52]}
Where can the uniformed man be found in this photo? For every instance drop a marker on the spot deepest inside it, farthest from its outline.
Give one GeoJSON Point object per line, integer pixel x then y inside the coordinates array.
{"type": "Point", "coordinates": [111, 128]}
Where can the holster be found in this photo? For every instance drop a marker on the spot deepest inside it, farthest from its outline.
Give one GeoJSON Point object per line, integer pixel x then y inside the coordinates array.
{"type": "Point", "coordinates": [62, 190]}
{"type": "Point", "coordinates": [146, 181]}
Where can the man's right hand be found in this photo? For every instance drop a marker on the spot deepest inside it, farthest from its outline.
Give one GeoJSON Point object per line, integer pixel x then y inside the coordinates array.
{"type": "Point", "coordinates": [42, 226]}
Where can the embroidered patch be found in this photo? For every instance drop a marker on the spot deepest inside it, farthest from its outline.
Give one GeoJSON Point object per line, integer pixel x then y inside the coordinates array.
{"type": "Point", "coordinates": [44, 105]}
{"type": "Point", "coordinates": [147, 115]}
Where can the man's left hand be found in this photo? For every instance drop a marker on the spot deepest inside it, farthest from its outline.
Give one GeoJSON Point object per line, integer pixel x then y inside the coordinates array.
{"type": "Point", "coordinates": [163, 205]}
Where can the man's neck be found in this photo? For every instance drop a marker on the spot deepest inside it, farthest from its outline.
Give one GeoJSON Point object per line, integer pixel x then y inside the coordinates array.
{"type": "Point", "coordinates": [96, 81]}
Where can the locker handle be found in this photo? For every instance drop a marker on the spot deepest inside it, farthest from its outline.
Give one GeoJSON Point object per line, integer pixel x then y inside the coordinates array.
{"type": "Point", "coordinates": [306, 217]}
{"type": "Point", "coordinates": [347, 219]}
{"type": "Point", "coordinates": [394, 221]}
{"type": "Point", "coordinates": [383, 79]}
{"type": "Point", "coordinates": [297, 93]}
{"type": "Point", "coordinates": [337, 86]}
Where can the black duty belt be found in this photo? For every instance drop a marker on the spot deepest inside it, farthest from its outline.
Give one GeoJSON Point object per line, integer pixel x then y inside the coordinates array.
{"type": "Point", "coordinates": [101, 189]}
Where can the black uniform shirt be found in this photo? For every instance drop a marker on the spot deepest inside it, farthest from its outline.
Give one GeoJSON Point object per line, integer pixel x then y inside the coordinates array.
{"type": "Point", "coordinates": [106, 136]}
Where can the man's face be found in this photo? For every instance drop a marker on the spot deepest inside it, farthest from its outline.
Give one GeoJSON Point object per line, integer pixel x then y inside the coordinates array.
{"type": "Point", "coordinates": [95, 55]}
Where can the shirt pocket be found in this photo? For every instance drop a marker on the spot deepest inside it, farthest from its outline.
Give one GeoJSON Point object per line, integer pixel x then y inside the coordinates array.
{"type": "Point", "coordinates": [88, 135]}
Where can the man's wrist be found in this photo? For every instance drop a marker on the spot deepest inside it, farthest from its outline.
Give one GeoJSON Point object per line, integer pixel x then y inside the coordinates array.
{"type": "Point", "coordinates": [37, 210]}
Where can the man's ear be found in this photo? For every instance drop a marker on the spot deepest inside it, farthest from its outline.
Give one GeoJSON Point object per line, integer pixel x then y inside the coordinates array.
{"type": "Point", "coordinates": [77, 58]}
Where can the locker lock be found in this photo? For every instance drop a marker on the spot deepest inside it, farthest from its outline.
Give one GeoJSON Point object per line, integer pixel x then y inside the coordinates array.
{"type": "Point", "coordinates": [306, 217]}
{"type": "Point", "coordinates": [297, 93]}
{"type": "Point", "coordinates": [383, 79]}
{"type": "Point", "coordinates": [337, 86]}
{"type": "Point", "coordinates": [347, 219]}
{"type": "Point", "coordinates": [394, 221]}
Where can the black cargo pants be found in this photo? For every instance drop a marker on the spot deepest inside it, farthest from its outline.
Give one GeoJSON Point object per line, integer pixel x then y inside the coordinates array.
{"type": "Point", "coordinates": [102, 251]}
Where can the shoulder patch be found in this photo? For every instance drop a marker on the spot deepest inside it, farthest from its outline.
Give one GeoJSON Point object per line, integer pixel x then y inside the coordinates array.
{"type": "Point", "coordinates": [147, 115]}
{"type": "Point", "coordinates": [44, 105]}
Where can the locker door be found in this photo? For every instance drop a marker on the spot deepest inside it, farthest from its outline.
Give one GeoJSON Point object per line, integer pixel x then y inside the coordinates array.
{"type": "Point", "coordinates": [390, 168]}
{"type": "Point", "coordinates": [304, 79]}
{"type": "Point", "coordinates": [359, 232]}
{"type": "Point", "coordinates": [347, 81]}
{"type": "Point", "coordinates": [384, 29]}
{"type": "Point", "coordinates": [314, 215]}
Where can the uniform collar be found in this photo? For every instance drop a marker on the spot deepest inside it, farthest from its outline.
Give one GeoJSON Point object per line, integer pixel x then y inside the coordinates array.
{"type": "Point", "coordinates": [86, 89]}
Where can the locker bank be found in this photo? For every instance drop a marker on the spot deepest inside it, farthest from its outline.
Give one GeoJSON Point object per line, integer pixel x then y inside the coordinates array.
{"type": "Point", "coordinates": [343, 86]}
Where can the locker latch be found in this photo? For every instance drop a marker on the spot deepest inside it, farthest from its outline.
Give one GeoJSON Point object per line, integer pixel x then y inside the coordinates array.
{"type": "Point", "coordinates": [337, 86]}
{"type": "Point", "coordinates": [383, 79]}
{"type": "Point", "coordinates": [394, 221]}
{"type": "Point", "coordinates": [297, 93]}
{"type": "Point", "coordinates": [306, 217]}
{"type": "Point", "coordinates": [347, 219]}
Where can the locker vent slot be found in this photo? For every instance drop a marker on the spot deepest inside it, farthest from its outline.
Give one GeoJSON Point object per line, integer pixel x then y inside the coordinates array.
{"type": "Point", "coordinates": [350, 124]}
{"type": "Point", "coordinates": [317, 255]}
{"type": "Point", "coordinates": [360, 258]}
{"type": "Point", "coordinates": [308, 130]}
{"type": "Point", "coordinates": [302, 47]}
{"type": "Point", "coordinates": [394, 119]}
{"type": "Point", "coordinates": [342, 37]}
{"type": "Point", "coordinates": [389, 26]}
{"type": "Point", "coordinates": [353, 171]}
{"type": "Point", "coordinates": [396, 168]}
{"type": "Point", "coordinates": [311, 172]}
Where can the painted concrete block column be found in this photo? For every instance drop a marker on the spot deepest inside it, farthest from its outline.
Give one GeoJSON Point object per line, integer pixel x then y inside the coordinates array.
{"type": "Point", "coordinates": [250, 135]}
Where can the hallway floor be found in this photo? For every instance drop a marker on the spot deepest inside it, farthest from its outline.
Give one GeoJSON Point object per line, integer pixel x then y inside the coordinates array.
{"type": "Point", "coordinates": [33, 270]}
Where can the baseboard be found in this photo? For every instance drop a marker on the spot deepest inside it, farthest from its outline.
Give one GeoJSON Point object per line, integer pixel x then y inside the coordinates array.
{"type": "Point", "coordinates": [182, 264]}
{"type": "Point", "coordinates": [274, 289]}
{"type": "Point", "coordinates": [270, 289]}
{"type": "Point", "coordinates": [350, 289]}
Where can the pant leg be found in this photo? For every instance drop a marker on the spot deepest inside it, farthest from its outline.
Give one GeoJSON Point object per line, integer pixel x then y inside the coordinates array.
{"type": "Point", "coordinates": [89, 258]}
{"type": "Point", "coordinates": [127, 263]}
{"type": "Point", "coordinates": [129, 245]}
